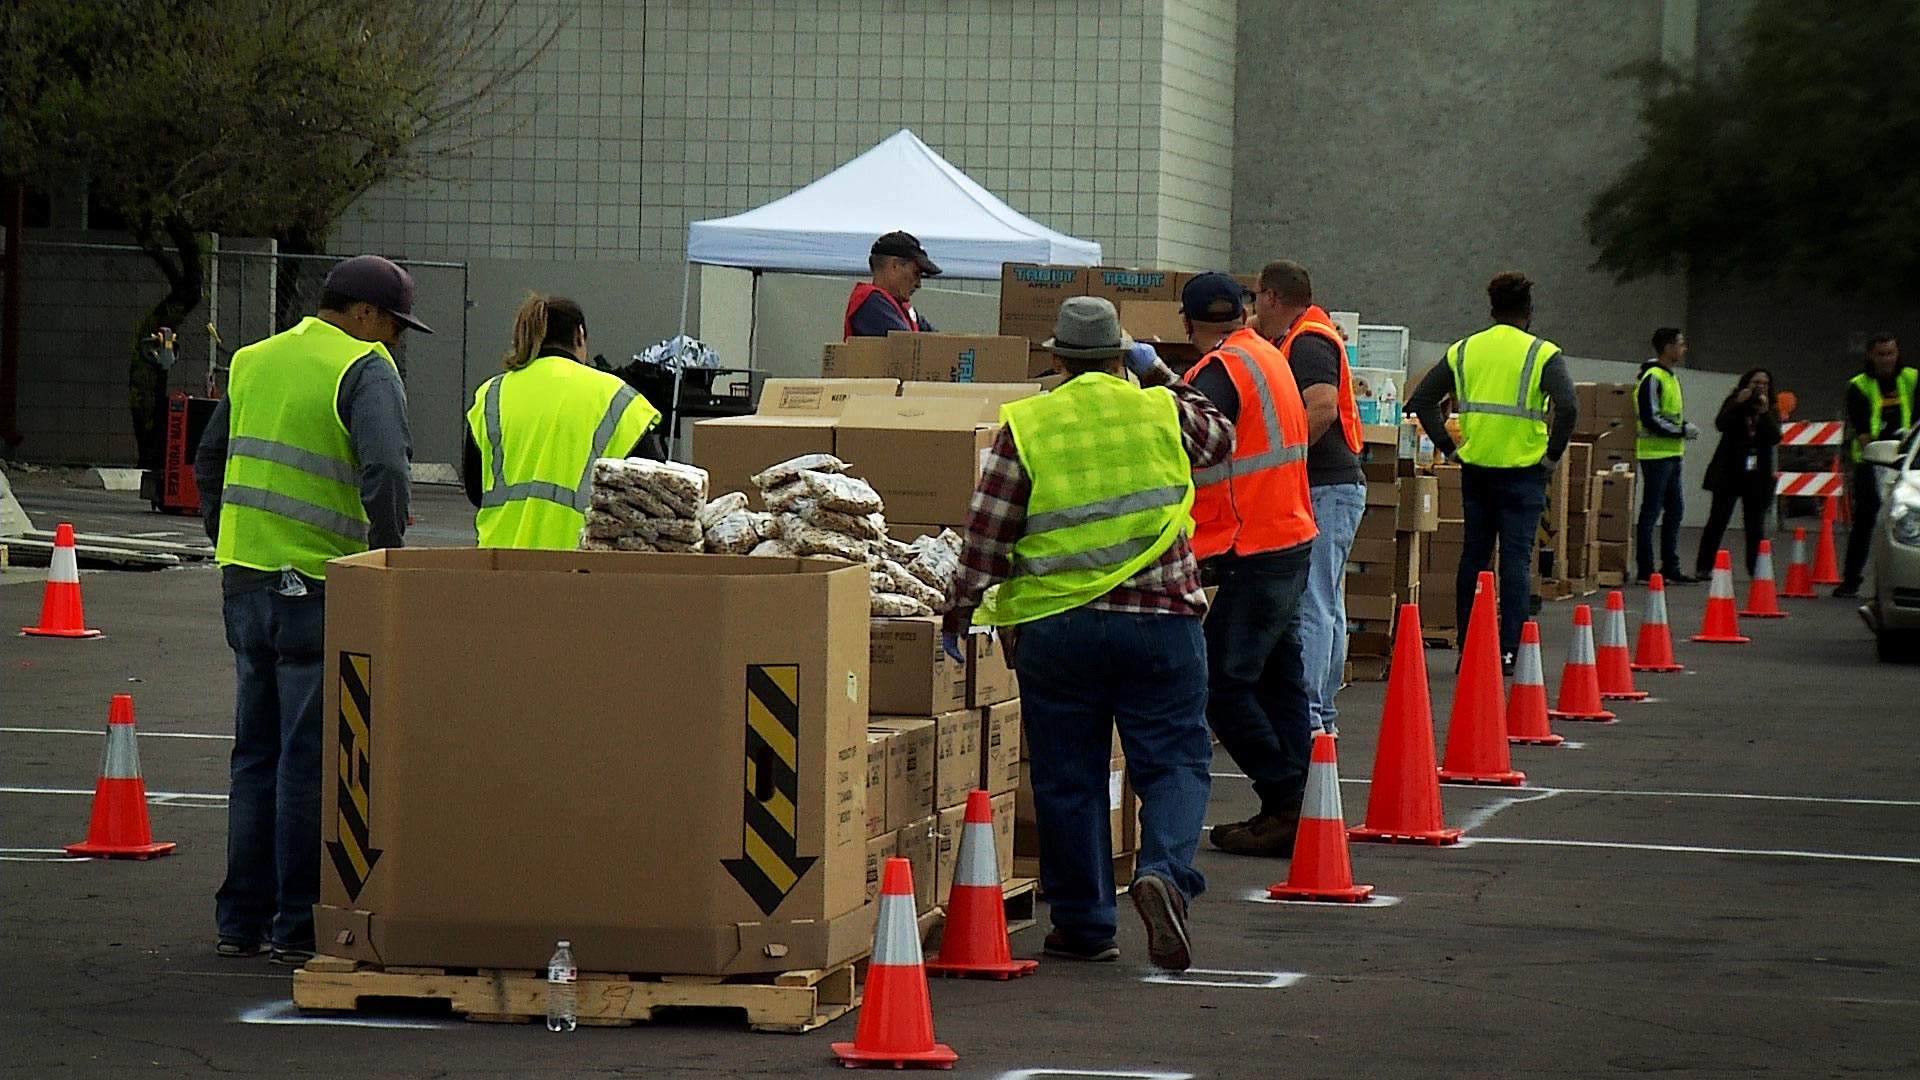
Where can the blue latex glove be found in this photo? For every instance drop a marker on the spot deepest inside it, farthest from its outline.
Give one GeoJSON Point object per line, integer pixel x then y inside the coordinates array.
{"type": "Point", "coordinates": [950, 644]}
{"type": "Point", "coordinates": [1141, 358]}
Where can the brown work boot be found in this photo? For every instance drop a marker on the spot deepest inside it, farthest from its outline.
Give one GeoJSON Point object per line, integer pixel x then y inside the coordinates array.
{"type": "Point", "coordinates": [1267, 836]}
{"type": "Point", "coordinates": [1218, 831]}
{"type": "Point", "coordinates": [1164, 912]}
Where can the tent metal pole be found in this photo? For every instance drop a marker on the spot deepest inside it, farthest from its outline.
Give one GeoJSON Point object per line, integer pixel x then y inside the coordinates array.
{"type": "Point", "coordinates": [686, 288]}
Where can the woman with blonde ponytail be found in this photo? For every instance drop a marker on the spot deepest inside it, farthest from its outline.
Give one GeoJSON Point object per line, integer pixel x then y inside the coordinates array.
{"type": "Point", "coordinates": [535, 429]}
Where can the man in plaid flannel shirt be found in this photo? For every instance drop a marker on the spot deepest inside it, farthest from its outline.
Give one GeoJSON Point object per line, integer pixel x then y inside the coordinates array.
{"type": "Point", "coordinates": [1131, 655]}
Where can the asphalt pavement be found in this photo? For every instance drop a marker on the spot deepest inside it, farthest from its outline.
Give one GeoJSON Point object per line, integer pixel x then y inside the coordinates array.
{"type": "Point", "coordinates": [1720, 884]}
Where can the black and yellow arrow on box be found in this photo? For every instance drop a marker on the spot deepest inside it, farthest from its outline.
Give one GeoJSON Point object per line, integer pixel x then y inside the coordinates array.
{"type": "Point", "coordinates": [770, 865]}
{"type": "Point", "coordinates": [353, 854]}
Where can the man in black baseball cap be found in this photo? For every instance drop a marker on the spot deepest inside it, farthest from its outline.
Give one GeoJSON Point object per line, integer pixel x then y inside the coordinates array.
{"type": "Point", "coordinates": [304, 461]}
{"type": "Point", "coordinates": [881, 306]}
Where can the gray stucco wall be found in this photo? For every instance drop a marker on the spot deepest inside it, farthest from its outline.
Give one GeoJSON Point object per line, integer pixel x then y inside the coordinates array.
{"type": "Point", "coordinates": [1406, 152]}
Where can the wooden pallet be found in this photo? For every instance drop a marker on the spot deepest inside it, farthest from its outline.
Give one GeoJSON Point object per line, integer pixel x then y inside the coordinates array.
{"type": "Point", "coordinates": [792, 1001]}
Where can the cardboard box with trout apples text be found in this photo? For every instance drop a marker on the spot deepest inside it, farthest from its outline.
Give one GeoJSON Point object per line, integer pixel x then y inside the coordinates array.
{"type": "Point", "coordinates": [501, 774]}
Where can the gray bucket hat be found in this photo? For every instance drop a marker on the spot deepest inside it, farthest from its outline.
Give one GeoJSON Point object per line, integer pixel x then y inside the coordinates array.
{"type": "Point", "coordinates": [1088, 328]}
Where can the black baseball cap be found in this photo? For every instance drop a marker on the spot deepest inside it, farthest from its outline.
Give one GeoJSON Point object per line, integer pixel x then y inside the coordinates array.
{"type": "Point", "coordinates": [1213, 298]}
{"type": "Point", "coordinates": [377, 281]}
{"type": "Point", "coordinates": [905, 245]}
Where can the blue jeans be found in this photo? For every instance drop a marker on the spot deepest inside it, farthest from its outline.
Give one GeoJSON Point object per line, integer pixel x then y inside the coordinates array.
{"type": "Point", "coordinates": [1321, 622]}
{"type": "Point", "coordinates": [1256, 682]}
{"type": "Point", "coordinates": [1503, 507]}
{"type": "Point", "coordinates": [1082, 673]}
{"type": "Point", "coordinates": [1662, 500]}
{"type": "Point", "coordinates": [273, 808]}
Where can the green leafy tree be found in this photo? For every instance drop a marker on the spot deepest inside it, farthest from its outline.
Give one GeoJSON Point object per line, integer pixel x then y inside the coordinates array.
{"type": "Point", "coordinates": [1795, 162]}
{"type": "Point", "coordinates": [245, 117]}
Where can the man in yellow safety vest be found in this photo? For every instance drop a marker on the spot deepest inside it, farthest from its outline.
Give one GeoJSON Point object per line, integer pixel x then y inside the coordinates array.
{"type": "Point", "coordinates": [1082, 518]}
{"type": "Point", "coordinates": [305, 460]}
{"type": "Point", "coordinates": [1880, 402]}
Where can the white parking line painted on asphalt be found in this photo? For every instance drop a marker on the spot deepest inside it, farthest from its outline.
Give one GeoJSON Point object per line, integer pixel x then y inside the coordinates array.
{"type": "Point", "coordinates": [99, 733]}
{"type": "Point", "coordinates": [1037, 1074]}
{"type": "Point", "coordinates": [283, 1012]}
{"type": "Point", "coordinates": [1375, 900]}
{"type": "Point", "coordinates": [156, 798]}
{"type": "Point", "coordinates": [1691, 849]}
{"type": "Point", "coordinates": [39, 854]}
{"type": "Point", "coordinates": [1484, 814]}
{"type": "Point", "coordinates": [1226, 978]}
{"type": "Point", "coordinates": [1831, 800]}
{"type": "Point", "coordinates": [1122, 1075]}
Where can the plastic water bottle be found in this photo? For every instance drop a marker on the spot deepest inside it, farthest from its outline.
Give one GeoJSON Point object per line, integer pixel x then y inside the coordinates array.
{"type": "Point", "coordinates": [563, 1003]}
{"type": "Point", "coordinates": [1389, 403]}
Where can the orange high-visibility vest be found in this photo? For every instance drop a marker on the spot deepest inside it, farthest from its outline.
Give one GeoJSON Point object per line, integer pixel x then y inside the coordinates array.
{"type": "Point", "coordinates": [1258, 500]}
{"type": "Point", "coordinates": [1315, 320]}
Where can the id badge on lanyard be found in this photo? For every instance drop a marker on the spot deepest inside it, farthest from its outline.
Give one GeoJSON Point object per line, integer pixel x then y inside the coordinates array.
{"type": "Point", "coordinates": [1753, 461]}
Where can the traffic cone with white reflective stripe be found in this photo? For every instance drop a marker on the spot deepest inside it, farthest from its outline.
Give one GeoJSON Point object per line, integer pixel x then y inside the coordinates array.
{"type": "Point", "coordinates": [1761, 602]}
{"type": "Point", "coordinates": [1799, 575]}
{"type": "Point", "coordinates": [1580, 678]}
{"type": "Point", "coordinates": [896, 1019]}
{"type": "Point", "coordinates": [60, 614]}
{"type": "Point", "coordinates": [1321, 869]}
{"type": "Point", "coordinates": [1611, 657]}
{"type": "Point", "coordinates": [119, 828]}
{"type": "Point", "coordinates": [1654, 650]}
{"type": "Point", "coordinates": [1403, 800]}
{"type": "Point", "coordinates": [1527, 722]}
{"type": "Point", "coordinates": [975, 943]}
{"type": "Point", "coordinates": [1722, 623]}
{"type": "Point", "coordinates": [1477, 725]}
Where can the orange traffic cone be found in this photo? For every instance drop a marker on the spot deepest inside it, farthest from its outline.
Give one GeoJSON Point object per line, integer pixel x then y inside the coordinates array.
{"type": "Point", "coordinates": [1799, 575]}
{"type": "Point", "coordinates": [1477, 726]}
{"type": "Point", "coordinates": [1761, 602]}
{"type": "Point", "coordinates": [1527, 701]}
{"type": "Point", "coordinates": [975, 943]}
{"type": "Point", "coordinates": [1403, 800]}
{"type": "Point", "coordinates": [1611, 658]}
{"type": "Point", "coordinates": [1580, 678]}
{"type": "Point", "coordinates": [1654, 650]}
{"type": "Point", "coordinates": [1722, 623]}
{"type": "Point", "coordinates": [60, 614]}
{"type": "Point", "coordinates": [119, 828]}
{"type": "Point", "coordinates": [896, 1019]}
{"type": "Point", "coordinates": [1826, 568]}
{"type": "Point", "coordinates": [1320, 869]}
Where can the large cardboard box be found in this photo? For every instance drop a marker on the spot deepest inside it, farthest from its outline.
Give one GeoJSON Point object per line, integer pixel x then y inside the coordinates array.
{"type": "Point", "coordinates": [467, 725]}
{"type": "Point", "coordinates": [1604, 407]}
{"type": "Point", "coordinates": [1003, 827]}
{"type": "Point", "coordinates": [910, 768]}
{"type": "Point", "coordinates": [1381, 495]}
{"type": "Point", "coordinates": [1378, 523]}
{"type": "Point", "coordinates": [1026, 833]}
{"type": "Point", "coordinates": [946, 851]}
{"type": "Point", "coordinates": [1029, 290]}
{"type": "Point", "coordinates": [734, 448]}
{"type": "Point", "coordinates": [879, 850]}
{"type": "Point", "coordinates": [912, 675]}
{"type": "Point", "coordinates": [958, 358]}
{"type": "Point", "coordinates": [1121, 285]}
{"type": "Point", "coordinates": [1000, 744]}
{"type": "Point", "coordinates": [1615, 521]}
{"type": "Point", "coordinates": [1616, 449]}
{"type": "Point", "coordinates": [1447, 482]}
{"type": "Point", "coordinates": [956, 756]}
{"type": "Point", "coordinates": [995, 394]}
{"type": "Point", "coordinates": [1372, 607]}
{"type": "Point", "coordinates": [919, 846]}
{"type": "Point", "coordinates": [819, 397]}
{"type": "Point", "coordinates": [921, 454]}
{"type": "Point", "coordinates": [990, 679]}
{"type": "Point", "coordinates": [880, 746]}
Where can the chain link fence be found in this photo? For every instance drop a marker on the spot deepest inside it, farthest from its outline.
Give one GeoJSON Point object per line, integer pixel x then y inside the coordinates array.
{"type": "Point", "coordinates": [82, 302]}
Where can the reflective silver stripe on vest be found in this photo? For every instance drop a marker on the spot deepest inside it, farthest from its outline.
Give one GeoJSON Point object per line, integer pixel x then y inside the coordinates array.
{"type": "Point", "coordinates": [293, 457]}
{"type": "Point", "coordinates": [1097, 559]}
{"type": "Point", "coordinates": [1106, 509]}
{"type": "Point", "coordinates": [1518, 409]}
{"type": "Point", "coordinates": [300, 510]}
{"type": "Point", "coordinates": [575, 499]}
{"type": "Point", "coordinates": [1278, 452]}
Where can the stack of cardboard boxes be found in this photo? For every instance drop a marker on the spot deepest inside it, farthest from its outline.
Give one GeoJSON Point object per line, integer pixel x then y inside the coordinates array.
{"type": "Point", "coordinates": [1608, 422]}
{"type": "Point", "coordinates": [1148, 301]}
{"type": "Point", "coordinates": [1383, 569]}
{"type": "Point", "coordinates": [938, 729]}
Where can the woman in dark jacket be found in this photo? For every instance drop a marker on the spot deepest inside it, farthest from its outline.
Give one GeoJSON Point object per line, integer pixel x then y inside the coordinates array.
{"type": "Point", "coordinates": [1742, 466]}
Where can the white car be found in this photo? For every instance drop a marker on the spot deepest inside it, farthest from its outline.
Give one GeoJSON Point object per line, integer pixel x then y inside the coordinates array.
{"type": "Point", "coordinates": [1892, 609]}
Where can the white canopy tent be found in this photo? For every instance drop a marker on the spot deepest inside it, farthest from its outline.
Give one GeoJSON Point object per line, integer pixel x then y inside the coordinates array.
{"type": "Point", "coordinates": [829, 225]}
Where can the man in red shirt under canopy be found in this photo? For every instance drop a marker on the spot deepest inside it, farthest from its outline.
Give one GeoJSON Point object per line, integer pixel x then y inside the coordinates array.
{"type": "Point", "coordinates": [882, 306]}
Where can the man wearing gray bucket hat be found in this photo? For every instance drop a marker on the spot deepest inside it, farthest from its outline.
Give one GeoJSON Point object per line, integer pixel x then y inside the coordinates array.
{"type": "Point", "coordinates": [1077, 549]}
